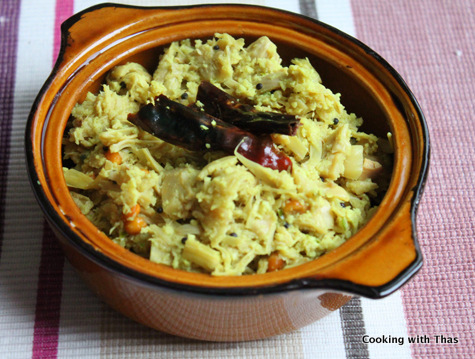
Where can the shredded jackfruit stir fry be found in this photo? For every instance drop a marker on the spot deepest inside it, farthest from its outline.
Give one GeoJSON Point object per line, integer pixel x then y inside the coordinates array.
{"type": "Point", "coordinates": [222, 212]}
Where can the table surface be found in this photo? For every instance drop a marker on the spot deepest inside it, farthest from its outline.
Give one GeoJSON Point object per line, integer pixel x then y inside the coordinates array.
{"type": "Point", "coordinates": [47, 312]}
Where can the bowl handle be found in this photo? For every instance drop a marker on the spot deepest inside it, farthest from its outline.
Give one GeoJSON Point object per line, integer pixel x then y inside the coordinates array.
{"type": "Point", "coordinates": [385, 263]}
{"type": "Point", "coordinates": [101, 25]}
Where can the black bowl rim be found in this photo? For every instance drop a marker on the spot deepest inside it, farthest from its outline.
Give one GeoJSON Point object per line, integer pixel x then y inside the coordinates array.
{"type": "Point", "coordinates": [336, 285]}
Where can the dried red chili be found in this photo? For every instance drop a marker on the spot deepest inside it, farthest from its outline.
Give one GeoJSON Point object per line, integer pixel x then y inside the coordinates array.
{"type": "Point", "coordinates": [228, 108]}
{"type": "Point", "coordinates": [198, 131]}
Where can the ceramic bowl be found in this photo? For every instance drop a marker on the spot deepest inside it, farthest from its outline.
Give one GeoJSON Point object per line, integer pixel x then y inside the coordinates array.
{"type": "Point", "coordinates": [375, 262]}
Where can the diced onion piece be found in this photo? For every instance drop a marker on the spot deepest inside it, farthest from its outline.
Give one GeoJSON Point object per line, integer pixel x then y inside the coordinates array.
{"type": "Point", "coordinates": [371, 169]}
{"type": "Point", "coordinates": [332, 190]}
{"type": "Point", "coordinates": [293, 144]}
{"type": "Point", "coordinates": [360, 187]}
{"type": "Point", "coordinates": [76, 179]}
{"type": "Point", "coordinates": [262, 48]}
{"type": "Point", "coordinates": [354, 162]}
{"type": "Point", "coordinates": [273, 80]}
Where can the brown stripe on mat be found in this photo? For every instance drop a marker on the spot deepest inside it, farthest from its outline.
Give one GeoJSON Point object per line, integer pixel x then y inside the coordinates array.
{"type": "Point", "coordinates": [9, 13]}
{"type": "Point", "coordinates": [353, 326]}
{"type": "Point", "coordinates": [308, 8]}
{"type": "Point", "coordinates": [48, 300]}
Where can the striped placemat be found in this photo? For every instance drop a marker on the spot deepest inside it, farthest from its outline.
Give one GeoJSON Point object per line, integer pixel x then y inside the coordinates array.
{"type": "Point", "coordinates": [47, 312]}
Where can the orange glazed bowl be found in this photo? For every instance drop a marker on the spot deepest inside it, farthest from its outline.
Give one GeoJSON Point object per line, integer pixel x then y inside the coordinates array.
{"type": "Point", "coordinates": [381, 257]}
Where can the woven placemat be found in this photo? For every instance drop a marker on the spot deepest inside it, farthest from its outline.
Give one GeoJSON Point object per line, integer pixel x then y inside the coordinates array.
{"type": "Point", "coordinates": [47, 312]}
